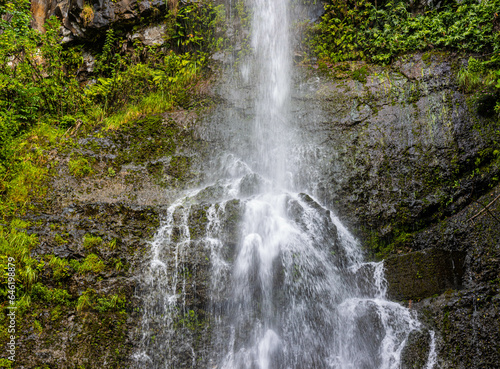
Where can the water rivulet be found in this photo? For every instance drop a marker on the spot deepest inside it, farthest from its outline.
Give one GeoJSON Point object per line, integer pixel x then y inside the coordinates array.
{"type": "Point", "coordinates": [250, 271]}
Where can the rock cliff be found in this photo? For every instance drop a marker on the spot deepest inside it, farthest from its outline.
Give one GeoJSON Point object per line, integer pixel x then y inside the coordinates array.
{"type": "Point", "coordinates": [412, 165]}
{"type": "Point", "coordinates": [402, 155]}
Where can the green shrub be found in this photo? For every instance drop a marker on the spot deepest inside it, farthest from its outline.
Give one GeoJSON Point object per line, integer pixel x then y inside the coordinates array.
{"type": "Point", "coordinates": [363, 30]}
{"type": "Point", "coordinates": [170, 82]}
{"type": "Point", "coordinates": [357, 29]}
{"type": "Point", "coordinates": [197, 27]}
{"type": "Point", "coordinates": [42, 79]}
{"type": "Point", "coordinates": [67, 121]}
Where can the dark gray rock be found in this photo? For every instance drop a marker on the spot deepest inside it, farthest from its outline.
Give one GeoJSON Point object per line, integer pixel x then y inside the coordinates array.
{"type": "Point", "coordinates": [422, 274]}
{"type": "Point", "coordinates": [397, 153]}
{"type": "Point", "coordinates": [415, 354]}
{"type": "Point", "coordinates": [83, 20]}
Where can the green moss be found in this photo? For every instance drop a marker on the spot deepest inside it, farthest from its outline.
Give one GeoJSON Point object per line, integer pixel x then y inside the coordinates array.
{"type": "Point", "coordinates": [91, 264]}
{"type": "Point", "coordinates": [414, 94]}
{"type": "Point", "coordinates": [426, 57]}
{"type": "Point", "coordinates": [15, 250]}
{"type": "Point", "coordinates": [90, 299]}
{"type": "Point", "coordinates": [90, 242]}
{"type": "Point", "coordinates": [155, 169]}
{"type": "Point", "coordinates": [111, 172]}
{"type": "Point", "coordinates": [57, 313]}
{"type": "Point", "coordinates": [85, 301]}
{"type": "Point", "coordinates": [360, 74]}
{"type": "Point", "coordinates": [5, 363]}
{"type": "Point", "coordinates": [146, 139]}
{"type": "Point", "coordinates": [112, 245]}
{"type": "Point", "coordinates": [59, 239]}
{"type": "Point", "coordinates": [60, 267]}
{"type": "Point", "coordinates": [54, 296]}
{"type": "Point", "coordinates": [80, 166]}
{"type": "Point", "coordinates": [102, 325]}
{"type": "Point", "coordinates": [191, 320]}
{"type": "Point", "coordinates": [109, 303]}
{"type": "Point", "coordinates": [179, 167]}
{"type": "Point", "coordinates": [198, 221]}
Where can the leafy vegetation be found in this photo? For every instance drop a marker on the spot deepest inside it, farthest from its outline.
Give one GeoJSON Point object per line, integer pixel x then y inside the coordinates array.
{"type": "Point", "coordinates": [51, 295]}
{"type": "Point", "coordinates": [90, 242]}
{"type": "Point", "coordinates": [359, 29]}
{"type": "Point", "coordinates": [16, 245]}
{"type": "Point", "coordinates": [91, 264]}
{"type": "Point", "coordinates": [60, 267]}
{"type": "Point", "coordinates": [90, 299]}
{"type": "Point", "coordinates": [378, 32]}
{"type": "Point", "coordinates": [482, 80]}
{"type": "Point", "coordinates": [43, 104]}
{"type": "Point", "coordinates": [38, 75]}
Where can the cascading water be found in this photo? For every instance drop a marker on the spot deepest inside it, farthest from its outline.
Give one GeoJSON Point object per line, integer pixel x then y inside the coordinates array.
{"type": "Point", "coordinates": [288, 287]}
{"type": "Point", "coordinates": [270, 42]}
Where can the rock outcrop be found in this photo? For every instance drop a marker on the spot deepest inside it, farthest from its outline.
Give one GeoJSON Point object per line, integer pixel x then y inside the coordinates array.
{"type": "Point", "coordinates": [85, 21]}
{"type": "Point", "coordinates": [410, 163]}
{"type": "Point", "coordinates": [109, 192]}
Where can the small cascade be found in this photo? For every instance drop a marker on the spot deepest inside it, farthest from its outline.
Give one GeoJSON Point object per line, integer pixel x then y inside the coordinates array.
{"type": "Point", "coordinates": [250, 271]}
{"type": "Point", "coordinates": [432, 358]}
{"type": "Point", "coordinates": [163, 289]}
{"type": "Point", "coordinates": [290, 290]}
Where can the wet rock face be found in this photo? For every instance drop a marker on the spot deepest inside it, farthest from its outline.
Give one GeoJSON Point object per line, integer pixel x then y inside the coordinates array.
{"type": "Point", "coordinates": [466, 325]}
{"type": "Point", "coordinates": [466, 320]}
{"type": "Point", "coordinates": [94, 231]}
{"type": "Point", "coordinates": [406, 161]}
{"type": "Point", "coordinates": [396, 150]}
{"type": "Point", "coordinates": [90, 337]}
{"type": "Point", "coordinates": [424, 273]}
{"type": "Point", "coordinates": [123, 222]}
{"type": "Point", "coordinates": [136, 164]}
{"type": "Point", "coordinates": [416, 352]}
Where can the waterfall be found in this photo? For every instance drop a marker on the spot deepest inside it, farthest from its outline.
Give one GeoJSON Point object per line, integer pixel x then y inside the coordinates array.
{"type": "Point", "coordinates": [284, 284]}
{"type": "Point", "coordinates": [270, 40]}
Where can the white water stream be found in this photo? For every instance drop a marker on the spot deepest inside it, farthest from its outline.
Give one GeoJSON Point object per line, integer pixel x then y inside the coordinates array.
{"type": "Point", "coordinates": [290, 289]}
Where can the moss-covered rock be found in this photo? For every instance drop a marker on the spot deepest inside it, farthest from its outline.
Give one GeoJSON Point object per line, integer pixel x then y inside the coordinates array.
{"type": "Point", "coordinates": [398, 151]}
{"type": "Point", "coordinates": [421, 274]}
{"type": "Point", "coordinates": [415, 354]}
{"type": "Point", "coordinates": [81, 304]}
{"type": "Point", "coordinates": [408, 164]}
{"type": "Point", "coordinates": [467, 327]}
{"type": "Point", "coordinates": [107, 195]}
